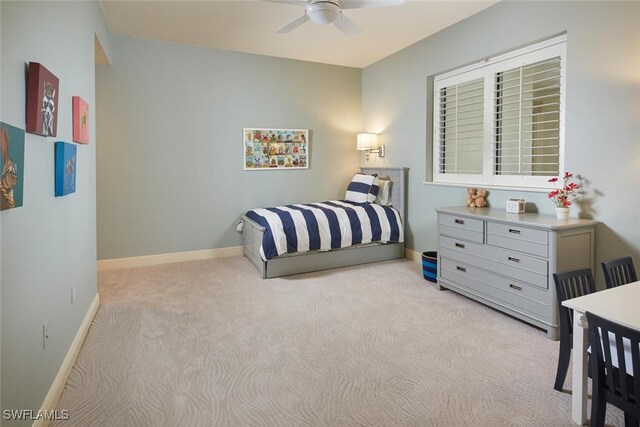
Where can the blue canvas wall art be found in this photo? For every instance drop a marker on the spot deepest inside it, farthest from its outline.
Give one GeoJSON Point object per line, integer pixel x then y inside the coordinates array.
{"type": "Point", "coordinates": [11, 166]}
{"type": "Point", "coordinates": [65, 168]}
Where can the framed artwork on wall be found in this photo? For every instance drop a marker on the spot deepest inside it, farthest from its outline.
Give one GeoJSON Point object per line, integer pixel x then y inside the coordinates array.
{"type": "Point", "coordinates": [275, 149]}
{"type": "Point", "coordinates": [12, 166]}
{"type": "Point", "coordinates": [80, 120]}
{"type": "Point", "coordinates": [42, 101]}
{"type": "Point", "coordinates": [65, 168]}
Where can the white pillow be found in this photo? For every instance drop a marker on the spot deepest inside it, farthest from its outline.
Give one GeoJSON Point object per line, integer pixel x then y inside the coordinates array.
{"type": "Point", "coordinates": [360, 188]}
{"type": "Point", "coordinates": [384, 193]}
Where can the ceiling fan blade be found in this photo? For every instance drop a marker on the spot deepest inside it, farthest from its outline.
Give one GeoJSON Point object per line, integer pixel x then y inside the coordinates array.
{"type": "Point", "coordinates": [293, 2]}
{"type": "Point", "coordinates": [346, 25]}
{"type": "Point", "coordinates": [358, 4]}
{"type": "Point", "coordinates": [293, 25]}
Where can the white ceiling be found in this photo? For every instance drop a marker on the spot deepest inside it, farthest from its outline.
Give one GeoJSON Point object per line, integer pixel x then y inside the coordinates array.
{"type": "Point", "coordinates": [250, 26]}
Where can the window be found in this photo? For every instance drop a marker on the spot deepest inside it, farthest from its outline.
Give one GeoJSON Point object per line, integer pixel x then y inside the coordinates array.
{"type": "Point", "coordinates": [500, 122]}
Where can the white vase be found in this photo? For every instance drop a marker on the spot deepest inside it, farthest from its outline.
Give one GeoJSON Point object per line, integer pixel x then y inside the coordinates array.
{"type": "Point", "coordinates": [562, 213]}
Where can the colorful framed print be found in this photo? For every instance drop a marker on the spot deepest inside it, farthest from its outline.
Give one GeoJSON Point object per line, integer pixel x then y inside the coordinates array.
{"type": "Point", "coordinates": [80, 120]}
{"type": "Point", "coordinates": [269, 149]}
{"type": "Point", "coordinates": [42, 101]}
{"type": "Point", "coordinates": [12, 182]}
{"type": "Point", "coordinates": [65, 168]}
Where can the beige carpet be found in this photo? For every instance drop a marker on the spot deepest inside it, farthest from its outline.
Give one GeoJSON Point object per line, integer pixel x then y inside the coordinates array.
{"type": "Point", "coordinates": [208, 343]}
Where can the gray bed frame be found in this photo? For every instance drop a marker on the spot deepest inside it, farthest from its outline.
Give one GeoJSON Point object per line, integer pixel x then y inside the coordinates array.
{"type": "Point", "coordinates": [305, 262]}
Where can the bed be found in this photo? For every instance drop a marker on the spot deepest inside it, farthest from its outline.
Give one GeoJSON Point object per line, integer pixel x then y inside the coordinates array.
{"type": "Point", "coordinates": [315, 260]}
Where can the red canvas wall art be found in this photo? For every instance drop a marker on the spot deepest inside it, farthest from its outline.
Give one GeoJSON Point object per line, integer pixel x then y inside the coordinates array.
{"type": "Point", "coordinates": [42, 101]}
{"type": "Point", "coordinates": [80, 120]}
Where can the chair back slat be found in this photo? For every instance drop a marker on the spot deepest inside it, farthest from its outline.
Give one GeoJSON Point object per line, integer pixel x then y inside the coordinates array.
{"type": "Point", "coordinates": [619, 271]}
{"type": "Point", "coordinates": [622, 368]}
{"type": "Point", "coordinates": [603, 341]}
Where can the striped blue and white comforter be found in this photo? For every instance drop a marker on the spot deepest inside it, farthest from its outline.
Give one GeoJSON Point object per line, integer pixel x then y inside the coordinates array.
{"type": "Point", "coordinates": [324, 226]}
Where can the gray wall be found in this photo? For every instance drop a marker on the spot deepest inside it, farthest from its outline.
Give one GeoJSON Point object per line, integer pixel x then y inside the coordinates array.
{"type": "Point", "coordinates": [170, 158]}
{"type": "Point", "coordinates": [602, 110]}
{"type": "Point", "coordinates": [49, 244]}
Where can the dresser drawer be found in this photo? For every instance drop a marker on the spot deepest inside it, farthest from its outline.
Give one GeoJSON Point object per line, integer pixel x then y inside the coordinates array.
{"type": "Point", "coordinates": [518, 233]}
{"type": "Point", "coordinates": [510, 293]}
{"type": "Point", "coordinates": [503, 256]}
{"type": "Point", "coordinates": [508, 263]}
{"type": "Point", "coordinates": [461, 227]}
{"type": "Point", "coordinates": [521, 239]}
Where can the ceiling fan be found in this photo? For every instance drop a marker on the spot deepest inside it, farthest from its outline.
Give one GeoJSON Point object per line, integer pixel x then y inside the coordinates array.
{"type": "Point", "coordinates": [324, 12]}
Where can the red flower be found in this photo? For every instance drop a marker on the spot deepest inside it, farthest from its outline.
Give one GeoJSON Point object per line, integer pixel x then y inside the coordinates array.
{"type": "Point", "coordinates": [561, 195]}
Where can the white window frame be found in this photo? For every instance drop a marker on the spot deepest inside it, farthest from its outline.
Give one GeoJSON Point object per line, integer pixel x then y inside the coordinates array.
{"type": "Point", "coordinates": [487, 68]}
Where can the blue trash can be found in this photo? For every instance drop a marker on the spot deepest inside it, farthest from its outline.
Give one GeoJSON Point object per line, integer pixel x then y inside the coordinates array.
{"type": "Point", "coordinates": [430, 266]}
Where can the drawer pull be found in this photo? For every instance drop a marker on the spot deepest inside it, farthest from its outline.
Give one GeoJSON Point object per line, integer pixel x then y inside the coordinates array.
{"type": "Point", "coordinates": [514, 231]}
{"type": "Point", "coordinates": [459, 245]}
{"type": "Point", "coordinates": [464, 270]}
{"type": "Point", "coordinates": [517, 288]}
{"type": "Point", "coordinates": [514, 259]}
{"type": "Point", "coordinates": [459, 221]}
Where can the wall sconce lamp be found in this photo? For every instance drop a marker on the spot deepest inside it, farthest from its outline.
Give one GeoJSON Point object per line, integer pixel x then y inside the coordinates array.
{"type": "Point", "coordinates": [370, 143]}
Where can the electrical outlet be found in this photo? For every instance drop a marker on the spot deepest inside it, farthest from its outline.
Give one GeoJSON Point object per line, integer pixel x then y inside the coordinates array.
{"type": "Point", "coordinates": [73, 295]}
{"type": "Point", "coordinates": [45, 335]}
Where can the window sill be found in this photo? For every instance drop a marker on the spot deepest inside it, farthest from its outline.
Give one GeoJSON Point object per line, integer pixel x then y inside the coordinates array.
{"type": "Point", "coordinates": [490, 187]}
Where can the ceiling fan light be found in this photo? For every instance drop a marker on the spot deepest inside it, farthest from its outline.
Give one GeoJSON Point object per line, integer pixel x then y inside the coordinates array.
{"type": "Point", "coordinates": [323, 12]}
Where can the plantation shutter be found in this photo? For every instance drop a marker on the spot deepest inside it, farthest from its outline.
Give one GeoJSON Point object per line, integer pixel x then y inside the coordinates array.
{"type": "Point", "coordinates": [527, 119]}
{"type": "Point", "coordinates": [460, 128]}
{"type": "Point", "coordinates": [500, 121]}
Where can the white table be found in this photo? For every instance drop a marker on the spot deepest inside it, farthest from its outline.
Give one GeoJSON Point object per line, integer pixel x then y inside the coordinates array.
{"type": "Point", "coordinates": [619, 305]}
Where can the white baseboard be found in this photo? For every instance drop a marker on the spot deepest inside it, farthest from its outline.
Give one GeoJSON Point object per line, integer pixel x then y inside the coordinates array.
{"type": "Point", "coordinates": [145, 261]}
{"type": "Point", "coordinates": [53, 397]}
{"type": "Point", "coordinates": [413, 255]}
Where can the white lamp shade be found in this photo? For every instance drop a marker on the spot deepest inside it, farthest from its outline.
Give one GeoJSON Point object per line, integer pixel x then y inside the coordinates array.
{"type": "Point", "coordinates": [367, 141]}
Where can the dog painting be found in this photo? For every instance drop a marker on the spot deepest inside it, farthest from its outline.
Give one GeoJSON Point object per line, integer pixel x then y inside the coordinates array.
{"type": "Point", "coordinates": [65, 168]}
{"type": "Point", "coordinates": [12, 166]}
{"type": "Point", "coordinates": [42, 101]}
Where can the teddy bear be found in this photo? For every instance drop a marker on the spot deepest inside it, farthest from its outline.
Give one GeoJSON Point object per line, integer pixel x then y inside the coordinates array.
{"type": "Point", "coordinates": [476, 197]}
{"type": "Point", "coordinates": [481, 198]}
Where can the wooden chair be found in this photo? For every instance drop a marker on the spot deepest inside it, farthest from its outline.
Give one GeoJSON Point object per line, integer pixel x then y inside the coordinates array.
{"type": "Point", "coordinates": [569, 284]}
{"type": "Point", "coordinates": [615, 369]}
{"type": "Point", "coordinates": [619, 271]}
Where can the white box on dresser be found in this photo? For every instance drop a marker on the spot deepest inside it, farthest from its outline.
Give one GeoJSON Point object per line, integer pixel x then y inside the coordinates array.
{"type": "Point", "coordinates": [507, 260]}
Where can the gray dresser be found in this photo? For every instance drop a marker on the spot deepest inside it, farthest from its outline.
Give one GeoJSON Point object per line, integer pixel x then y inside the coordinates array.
{"type": "Point", "coordinates": [507, 260]}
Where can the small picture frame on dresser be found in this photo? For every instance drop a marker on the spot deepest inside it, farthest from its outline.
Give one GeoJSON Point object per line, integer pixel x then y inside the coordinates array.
{"type": "Point", "coordinates": [515, 206]}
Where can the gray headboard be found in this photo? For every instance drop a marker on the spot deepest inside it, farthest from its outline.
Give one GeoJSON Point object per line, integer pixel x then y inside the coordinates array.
{"type": "Point", "coordinates": [399, 188]}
